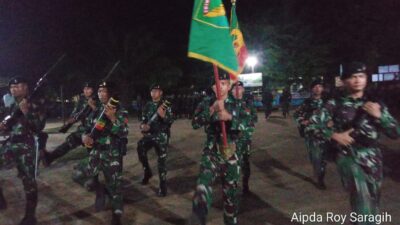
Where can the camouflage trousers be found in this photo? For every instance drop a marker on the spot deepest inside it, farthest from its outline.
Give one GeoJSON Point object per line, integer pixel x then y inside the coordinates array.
{"type": "Point", "coordinates": [160, 144]}
{"type": "Point", "coordinates": [109, 161]}
{"type": "Point", "coordinates": [23, 156]}
{"type": "Point", "coordinates": [244, 149]}
{"type": "Point", "coordinates": [212, 166]}
{"type": "Point", "coordinates": [361, 174]}
{"type": "Point", "coordinates": [317, 156]}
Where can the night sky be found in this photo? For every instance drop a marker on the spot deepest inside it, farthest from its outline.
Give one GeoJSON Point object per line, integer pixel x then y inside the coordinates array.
{"type": "Point", "coordinates": [34, 33]}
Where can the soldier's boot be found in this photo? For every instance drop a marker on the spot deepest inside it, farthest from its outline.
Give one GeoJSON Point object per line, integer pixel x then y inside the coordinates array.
{"type": "Point", "coordinates": [3, 202]}
{"type": "Point", "coordinates": [100, 202]}
{"type": "Point", "coordinates": [201, 214]}
{"type": "Point", "coordinates": [246, 189]}
{"type": "Point", "coordinates": [49, 157]}
{"type": "Point", "coordinates": [91, 183]}
{"type": "Point", "coordinates": [116, 219]}
{"type": "Point", "coordinates": [147, 175]}
{"type": "Point", "coordinates": [321, 183]}
{"type": "Point", "coordinates": [162, 191]}
{"type": "Point", "coordinates": [31, 203]}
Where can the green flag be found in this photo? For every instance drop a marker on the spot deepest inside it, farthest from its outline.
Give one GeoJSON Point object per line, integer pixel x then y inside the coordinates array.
{"type": "Point", "coordinates": [210, 38]}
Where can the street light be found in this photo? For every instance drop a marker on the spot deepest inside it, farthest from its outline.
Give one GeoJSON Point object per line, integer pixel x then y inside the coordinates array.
{"type": "Point", "coordinates": [251, 61]}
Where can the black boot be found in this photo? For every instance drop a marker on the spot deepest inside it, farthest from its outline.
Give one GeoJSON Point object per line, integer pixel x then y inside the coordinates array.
{"type": "Point", "coordinates": [162, 191]}
{"type": "Point", "coordinates": [321, 184]}
{"type": "Point", "coordinates": [100, 202]}
{"type": "Point", "coordinates": [116, 219]}
{"type": "Point", "coordinates": [147, 175]}
{"type": "Point", "coordinates": [49, 157]}
{"type": "Point", "coordinates": [31, 203]}
{"type": "Point", "coordinates": [3, 202]}
{"type": "Point", "coordinates": [91, 183]}
{"type": "Point", "coordinates": [201, 214]}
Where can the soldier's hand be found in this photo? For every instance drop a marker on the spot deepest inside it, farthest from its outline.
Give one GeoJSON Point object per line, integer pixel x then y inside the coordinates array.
{"type": "Point", "coordinates": [70, 120]}
{"type": "Point", "coordinates": [144, 127]}
{"type": "Point", "coordinates": [2, 127]}
{"type": "Point", "coordinates": [219, 105]}
{"type": "Point", "coordinates": [87, 140]}
{"type": "Point", "coordinates": [110, 113]}
{"type": "Point", "coordinates": [161, 111]}
{"type": "Point", "coordinates": [92, 103]}
{"type": "Point", "coordinates": [305, 122]}
{"type": "Point", "coordinates": [224, 115]}
{"type": "Point", "coordinates": [24, 106]}
{"type": "Point", "coordinates": [373, 109]}
{"type": "Point", "coordinates": [343, 138]}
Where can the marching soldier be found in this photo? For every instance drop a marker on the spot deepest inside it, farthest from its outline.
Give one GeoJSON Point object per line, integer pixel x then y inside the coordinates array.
{"type": "Point", "coordinates": [23, 124]}
{"type": "Point", "coordinates": [85, 104]}
{"type": "Point", "coordinates": [218, 161]}
{"type": "Point", "coordinates": [316, 147]}
{"type": "Point", "coordinates": [104, 135]}
{"type": "Point", "coordinates": [249, 119]}
{"type": "Point", "coordinates": [353, 121]}
{"type": "Point", "coordinates": [156, 121]}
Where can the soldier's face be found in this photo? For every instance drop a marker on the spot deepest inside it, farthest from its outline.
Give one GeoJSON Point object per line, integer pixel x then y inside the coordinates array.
{"type": "Point", "coordinates": [156, 94]}
{"type": "Point", "coordinates": [356, 82]}
{"type": "Point", "coordinates": [225, 85]}
{"type": "Point", "coordinates": [87, 91]}
{"type": "Point", "coordinates": [103, 95]}
{"type": "Point", "coordinates": [19, 90]}
{"type": "Point", "coordinates": [317, 89]}
{"type": "Point", "coordinates": [237, 92]}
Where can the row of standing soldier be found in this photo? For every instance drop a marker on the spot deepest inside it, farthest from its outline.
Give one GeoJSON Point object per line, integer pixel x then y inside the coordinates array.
{"type": "Point", "coordinates": [346, 126]}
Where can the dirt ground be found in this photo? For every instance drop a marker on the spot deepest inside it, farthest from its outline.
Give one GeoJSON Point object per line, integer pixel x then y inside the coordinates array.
{"type": "Point", "coordinates": [281, 183]}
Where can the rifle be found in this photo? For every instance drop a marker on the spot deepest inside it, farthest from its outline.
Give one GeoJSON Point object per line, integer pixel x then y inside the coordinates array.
{"type": "Point", "coordinates": [164, 104]}
{"type": "Point", "coordinates": [10, 120]}
{"type": "Point", "coordinates": [101, 121]}
{"type": "Point", "coordinates": [86, 110]}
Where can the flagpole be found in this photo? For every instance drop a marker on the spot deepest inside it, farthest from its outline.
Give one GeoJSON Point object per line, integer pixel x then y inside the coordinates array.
{"type": "Point", "coordinates": [218, 88]}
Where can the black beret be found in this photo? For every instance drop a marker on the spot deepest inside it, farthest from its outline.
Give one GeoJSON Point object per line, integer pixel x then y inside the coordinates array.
{"type": "Point", "coordinates": [238, 83]}
{"type": "Point", "coordinates": [155, 86]}
{"type": "Point", "coordinates": [17, 80]}
{"type": "Point", "coordinates": [316, 82]}
{"type": "Point", "coordinates": [88, 84]}
{"type": "Point", "coordinates": [352, 68]}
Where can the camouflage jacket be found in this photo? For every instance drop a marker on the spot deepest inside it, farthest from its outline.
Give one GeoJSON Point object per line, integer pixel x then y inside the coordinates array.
{"type": "Point", "coordinates": [343, 113]}
{"type": "Point", "coordinates": [211, 124]}
{"type": "Point", "coordinates": [249, 118]}
{"type": "Point", "coordinates": [113, 132]}
{"type": "Point", "coordinates": [26, 125]}
{"type": "Point", "coordinates": [81, 107]}
{"type": "Point", "coordinates": [309, 107]}
{"type": "Point", "coordinates": [158, 124]}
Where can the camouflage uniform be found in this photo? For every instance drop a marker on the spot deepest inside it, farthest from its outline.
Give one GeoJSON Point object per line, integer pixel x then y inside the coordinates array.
{"type": "Point", "coordinates": [359, 165]}
{"type": "Point", "coordinates": [20, 150]}
{"type": "Point", "coordinates": [244, 143]}
{"type": "Point", "coordinates": [213, 163]}
{"type": "Point", "coordinates": [317, 148]}
{"type": "Point", "coordinates": [73, 141]}
{"type": "Point", "coordinates": [157, 137]}
{"type": "Point", "coordinates": [106, 154]}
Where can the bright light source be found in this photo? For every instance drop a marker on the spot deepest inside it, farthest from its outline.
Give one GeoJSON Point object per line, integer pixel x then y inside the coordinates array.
{"type": "Point", "coordinates": [251, 61]}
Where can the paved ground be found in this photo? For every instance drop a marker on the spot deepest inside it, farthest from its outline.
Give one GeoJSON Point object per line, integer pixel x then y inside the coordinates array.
{"type": "Point", "coordinates": [281, 183]}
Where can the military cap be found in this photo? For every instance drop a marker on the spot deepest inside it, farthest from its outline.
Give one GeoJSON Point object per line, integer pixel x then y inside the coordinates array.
{"type": "Point", "coordinates": [88, 84]}
{"type": "Point", "coordinates": [316, 82]}
{"type": "Point", "coordinates": [155, 86]}
{"type": "Point", "coordinates": [238, 83]}
{"type": "Point", "coordinates": [107, 84]}
{"type": "Point", "coordinates": [17, 80]}
{"type": "Point", "coordinates": [352, 68]}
